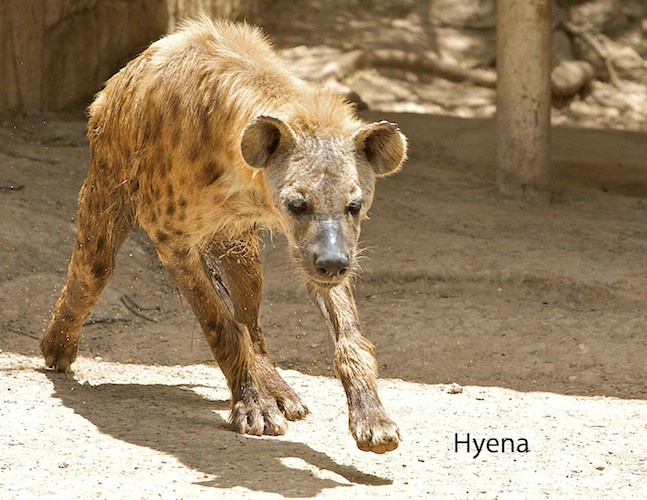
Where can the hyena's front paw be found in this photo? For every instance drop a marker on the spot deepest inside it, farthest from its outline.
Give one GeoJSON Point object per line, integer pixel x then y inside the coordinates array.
{"type": "Point", "coordinates": [252, 414]}
{"type": "Point", "coordinates": [291, 405]}
{"type": "Point", "coordinates": [374, 431]}
{"type": "Point", "coordinates": [275, 387]}
{"type": "Point", "coordinates": [59, 354]}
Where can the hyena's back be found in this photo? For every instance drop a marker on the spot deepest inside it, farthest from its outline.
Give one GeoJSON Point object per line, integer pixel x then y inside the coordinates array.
{"type": "Point", "coordinates": [172, 120]}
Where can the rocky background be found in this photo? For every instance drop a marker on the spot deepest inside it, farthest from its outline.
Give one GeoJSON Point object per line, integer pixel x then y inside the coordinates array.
{"type": "Point", "coordinates": [440, 55]}
{"type": "Point", "coordinates": [57, 54]}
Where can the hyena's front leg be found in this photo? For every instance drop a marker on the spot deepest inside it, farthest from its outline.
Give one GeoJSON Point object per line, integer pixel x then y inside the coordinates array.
{"type": "Point", "coordinates": [241, 260]}
{"type": "Point", "coordinates": [356, 367]}
{"type": "Point", "coordinates": [252, 411]}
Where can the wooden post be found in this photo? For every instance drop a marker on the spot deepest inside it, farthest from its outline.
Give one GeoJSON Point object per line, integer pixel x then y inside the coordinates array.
{"type": "Point", "coordinates": [523, 97]}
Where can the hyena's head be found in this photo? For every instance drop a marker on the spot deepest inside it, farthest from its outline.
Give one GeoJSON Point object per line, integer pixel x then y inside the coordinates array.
{"type": "Point", "coordinates": [322, 185]}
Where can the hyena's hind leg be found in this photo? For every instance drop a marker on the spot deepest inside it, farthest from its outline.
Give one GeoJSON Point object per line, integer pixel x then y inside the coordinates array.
{"type": "Point", "coordinates": [241, 261]}
{"type": "Point", "coordinates": [105, 218]}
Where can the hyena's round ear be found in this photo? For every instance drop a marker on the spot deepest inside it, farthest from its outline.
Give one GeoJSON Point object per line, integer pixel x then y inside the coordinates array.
{"type": "Point", "coordinates": [261, 138]}
{"type": "Point", "coordinates": [384, 145]}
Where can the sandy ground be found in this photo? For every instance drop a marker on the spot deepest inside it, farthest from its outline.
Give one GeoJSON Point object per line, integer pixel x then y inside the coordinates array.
{"type": "Point", "coordinates": [539, 312]}
{"type": "Point", "coordinates": [140, 431]}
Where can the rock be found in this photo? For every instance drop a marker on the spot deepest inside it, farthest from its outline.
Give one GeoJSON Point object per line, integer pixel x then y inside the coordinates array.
{"type": "Point", "coordinates": [600, 16]}
{"type": "Point", "coordinates": [464, 32]}
{"type": "Point", "coordinates": [466, 48]}
{"type": "Point", "coordinates": [626, 61]}
{"type": "Point", "coordinates": [470, 14]}
{"type": "Point", "coordinates": [569, 77]}
{"type": "Point", "coordinates": [455, 389]}
{"type": "Point", "coordinates": [561, 45]}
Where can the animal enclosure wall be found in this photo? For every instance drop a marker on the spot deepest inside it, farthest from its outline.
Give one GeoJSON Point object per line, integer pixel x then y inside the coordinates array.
{"type": "Point", "coordinates": [57, 53]}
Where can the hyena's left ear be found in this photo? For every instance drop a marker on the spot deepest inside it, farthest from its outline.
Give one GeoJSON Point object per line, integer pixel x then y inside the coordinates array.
{"type": "Point", "coordinates": [384, 145]}
{"type": "Point", "coordinates": [262, 137]}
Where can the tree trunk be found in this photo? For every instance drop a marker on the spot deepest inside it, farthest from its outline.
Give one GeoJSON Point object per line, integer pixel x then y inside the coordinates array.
{"type": "Point", "coordinates": [523, 97]}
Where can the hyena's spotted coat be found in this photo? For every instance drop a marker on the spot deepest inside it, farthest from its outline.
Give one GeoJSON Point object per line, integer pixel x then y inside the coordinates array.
{"type": "Point", "coordinates": [202, 139]}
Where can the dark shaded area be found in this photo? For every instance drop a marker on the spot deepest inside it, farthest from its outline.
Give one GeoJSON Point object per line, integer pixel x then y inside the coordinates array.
{"type": "Point", "coordinates": [177, 421]}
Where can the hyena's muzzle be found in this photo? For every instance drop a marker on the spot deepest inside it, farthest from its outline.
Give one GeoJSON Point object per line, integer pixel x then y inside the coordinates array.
{"type": "Point", "coordinates": [328, 259]}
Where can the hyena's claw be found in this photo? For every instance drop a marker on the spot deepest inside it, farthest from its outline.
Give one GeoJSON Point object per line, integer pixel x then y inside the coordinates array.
{"type": "Point", "coordinates": [258, 417]}
{"type": "Point", "coordinates": [275, 387]}
{"type": "Point", "coordinates": [293, 408]}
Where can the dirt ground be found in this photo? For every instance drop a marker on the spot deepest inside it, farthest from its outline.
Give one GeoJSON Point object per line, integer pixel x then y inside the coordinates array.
{"type": "Point", "coordinates": [538, 311]}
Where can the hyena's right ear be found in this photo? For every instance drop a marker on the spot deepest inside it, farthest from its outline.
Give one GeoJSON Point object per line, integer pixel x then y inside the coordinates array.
{"type": "Point", "coordinates": [384, 145]}
{"type": "Point", "coordinates": [262, 137]}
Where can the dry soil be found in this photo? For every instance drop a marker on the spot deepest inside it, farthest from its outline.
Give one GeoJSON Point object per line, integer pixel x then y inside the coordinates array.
{"type": "Point", "coordinates": [538, 311]}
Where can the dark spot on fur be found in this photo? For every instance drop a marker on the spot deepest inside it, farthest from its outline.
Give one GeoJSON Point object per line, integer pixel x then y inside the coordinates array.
{"type": "Point", "coordinates": [212, 173]}
{"type": "Point", "coordinates": [100, 269]}
{"type": "Point", "coordinates": [153, 216]}
{"type": "Point", "coordinates": [147, 131]}
{"type": "Point", "coordinates": [206, 124]}
{"type": "Point", "coordinates": [161, 236]}
{"type": "Point", "coordinates": [154, 121]}
{"type": "Point", "coordinates": [101, 244]}
{"type": "Point", "coordinates": [66, 317]}
{"type": "Point", "coordinates": [174, 105]}
{"type": "Point", "coordinates": [215, 325]}
{"type": "Point", "coordinates": [183, 203]}
{"type": "Point", "coordinates": [182, 215]}
{"type": "Point", "coordinates": [170, 209]}
{"type": "Point", "coordinates": [176, 136]}
{"type": "Point", "coordinates": [194, 151]}
{"type": "Point", "coordinates": [169, 190]}
{"type": "Point", "coordinates": [180, 253]}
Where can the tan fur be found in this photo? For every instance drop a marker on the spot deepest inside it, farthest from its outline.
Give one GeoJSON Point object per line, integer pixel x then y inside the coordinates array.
{"type": "Point", "coordinates": [203, 138]}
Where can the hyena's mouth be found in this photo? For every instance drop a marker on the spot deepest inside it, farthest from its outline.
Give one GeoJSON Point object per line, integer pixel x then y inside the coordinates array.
{"type": "Point", "coordinates": [328, 284]}
{"type": "Point", "coordinates": [323, 280]}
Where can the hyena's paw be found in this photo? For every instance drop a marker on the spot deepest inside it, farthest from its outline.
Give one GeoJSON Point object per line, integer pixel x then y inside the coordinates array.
{"type": "Point", "coordinates": [292, 406]}
{"type": "Point", "coordinates": [275, 387]}
{"type": "Point", "coordinates": [255, 415]}
{"type": "Point", "coordinates": [58, 355]}
{"type": "Point", "coordinates": [374, 431]}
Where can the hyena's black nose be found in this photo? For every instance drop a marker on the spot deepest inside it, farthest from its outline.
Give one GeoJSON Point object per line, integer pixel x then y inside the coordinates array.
{"type": "Point", "coordinates": [332, 264]}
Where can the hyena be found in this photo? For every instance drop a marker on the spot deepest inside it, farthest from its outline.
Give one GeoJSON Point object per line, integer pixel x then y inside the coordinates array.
{"type": "Point", "coordinates": [202, 139]}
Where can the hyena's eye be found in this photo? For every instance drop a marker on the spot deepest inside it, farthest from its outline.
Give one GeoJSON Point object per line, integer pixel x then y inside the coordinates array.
{"type": "Point", "coordinates": [297, 206]}
{"type": "Point", "coordinates": [354, 208]}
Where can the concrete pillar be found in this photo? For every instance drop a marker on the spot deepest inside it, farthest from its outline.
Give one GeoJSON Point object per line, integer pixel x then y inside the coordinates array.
{"type": "Point", "coordinates": [523, 97]}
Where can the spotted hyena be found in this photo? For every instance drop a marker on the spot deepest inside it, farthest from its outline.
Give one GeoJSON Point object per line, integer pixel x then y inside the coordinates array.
{"type": "Point", "coordinates": [203, 139]}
